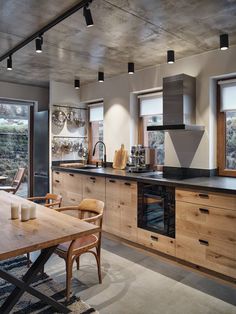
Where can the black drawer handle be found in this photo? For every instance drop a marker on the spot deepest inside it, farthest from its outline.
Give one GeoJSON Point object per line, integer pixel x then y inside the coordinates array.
{"type": "Point", "coordinates": [203, 242]}
{"type": "Point", "coordinates": [203, 195]}
{"type": "Point", "coordinates": [57, 172]}
{"type": "Point", "coordinates": [72, 199]}
{"type": "Point", "coordinates": [154, 238]}
{"type": "Point", "coordinates": [204, 211]}
{"type": "Point", "coordinates": [71, 174]}
{"type": "Point", "coordinates": [92, 178]}
{"type": "Point", "coordinates": [112, 181]}
{"type": "Point", "coordinates": [57, 181]}
{"type": "Point", "coordinates": [127, 183]}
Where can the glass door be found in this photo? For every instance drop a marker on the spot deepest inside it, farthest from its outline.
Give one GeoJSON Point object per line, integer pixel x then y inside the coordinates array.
{"type": "Point", "coordinates": [14, 143]}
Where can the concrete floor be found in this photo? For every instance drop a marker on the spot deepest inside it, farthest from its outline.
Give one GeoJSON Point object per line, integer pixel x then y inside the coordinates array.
{"type": "Point", "coordinates": [136, 283]}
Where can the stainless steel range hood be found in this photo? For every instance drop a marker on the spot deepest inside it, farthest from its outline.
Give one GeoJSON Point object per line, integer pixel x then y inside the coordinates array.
{"type": "Point", "coordinates": [179, 104]}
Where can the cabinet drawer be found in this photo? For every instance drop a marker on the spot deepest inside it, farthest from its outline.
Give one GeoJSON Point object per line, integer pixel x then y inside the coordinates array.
{"type": "Point", "coordinates": [156, 241]}
{"type": "Point", "coordinates": [207, 198]}
{"type": "Point", "coordinates": [207, 252]}
{"type": "Point", "coordinates": [206, 220]}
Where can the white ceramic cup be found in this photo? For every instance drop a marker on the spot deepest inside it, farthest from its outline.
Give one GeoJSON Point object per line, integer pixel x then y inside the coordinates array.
{"type": "Point", "coordinates": [14, 211]}
{"type": "Point", "coordinates": [25, 212]}
{"type": "Point", "coordinates": [32, 209]}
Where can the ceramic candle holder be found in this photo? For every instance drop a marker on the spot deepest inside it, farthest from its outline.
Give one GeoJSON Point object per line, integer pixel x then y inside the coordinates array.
{"type": "Point", "coordinates": [25, 212]}
{"type": "Point", "coordinates": [14, 211]}
{"type": "Point", "coordinates": [32, 210]}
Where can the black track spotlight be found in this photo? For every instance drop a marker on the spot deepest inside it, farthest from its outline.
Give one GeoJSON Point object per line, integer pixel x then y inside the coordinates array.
{"type": "Point", "coordinates": [9, 63]}
{"type": "Point", "coordinates": [88, 16]}
{"type": "Point", "coordinates": [131, 68]}
{"type": "Point", "coordinates": [77, 84]}
{"type": "Point", "coordinates": [38, 44]}
{"type": "Point", "coordinates": [170, 56]}
{"type": "Point", "coordinates": [224, 41]}
{"type": "Point", "coordinates": [100, 76]}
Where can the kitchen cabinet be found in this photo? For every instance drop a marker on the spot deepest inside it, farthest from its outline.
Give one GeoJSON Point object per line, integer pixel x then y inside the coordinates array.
{"type": "Point", "coordinates": [69, 186]}
{"type": "Point", "coordinates": [94, 187]}
{"type": "Point", "coordinates": [121, 208]}
{"type": "Point", "coordinates": [156, 241]}
{"type": "Point", "coordinates": [206, 230]}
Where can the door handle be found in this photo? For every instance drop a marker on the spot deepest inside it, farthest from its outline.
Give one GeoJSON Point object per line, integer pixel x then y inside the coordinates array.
{"type": "Point", "coordinates": [204, 210]}
{"type": "Point", "coordinates": [127, 183]}
{"type": "Point", "coordinates": [57, 181]}
{"type": "Point", "coordinates": [203, 242]}
{"type": "Point", "coordinates": [92, 178]}
{"type": "Point", "coordinates": [154, 238]}
{"type": "Point", "coordinates": [71, 174]}
{"type": "Point", "coordinates": [202, 195]}
{"type": "Point", "coordinates": [112, 181]}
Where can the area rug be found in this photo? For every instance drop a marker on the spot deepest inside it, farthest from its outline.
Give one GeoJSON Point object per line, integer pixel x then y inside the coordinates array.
{"type": "Point", "coordinates": [45, 284]}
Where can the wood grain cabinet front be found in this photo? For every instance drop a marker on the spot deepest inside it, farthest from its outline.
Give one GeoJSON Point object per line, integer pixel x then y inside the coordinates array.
{"type": "Point", "coordinates": [206, 230]}
{"type": "Point", "coordinates": [57, 182]}
{"type": "Point", "coordinates": [156, 241]}
{"type": "Point", "coordinates": [121, 208]}
{"type": "Point", "coordinates": [94, 187]}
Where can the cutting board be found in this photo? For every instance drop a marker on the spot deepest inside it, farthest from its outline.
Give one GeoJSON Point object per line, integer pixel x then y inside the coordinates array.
{"type": "Point", "coordinates": [120, 158]}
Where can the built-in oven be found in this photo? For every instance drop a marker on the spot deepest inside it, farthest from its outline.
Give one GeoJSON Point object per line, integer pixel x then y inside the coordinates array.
{"type": "Point", "coordinates": [156, 208]}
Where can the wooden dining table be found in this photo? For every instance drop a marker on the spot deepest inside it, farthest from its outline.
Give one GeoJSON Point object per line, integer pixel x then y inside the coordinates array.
{"type": "Point", "coordinates": [44, 233]}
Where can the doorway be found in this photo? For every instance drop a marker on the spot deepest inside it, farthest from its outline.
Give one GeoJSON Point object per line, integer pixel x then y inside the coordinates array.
{"type": "Point", "coordinates": [15, 143]}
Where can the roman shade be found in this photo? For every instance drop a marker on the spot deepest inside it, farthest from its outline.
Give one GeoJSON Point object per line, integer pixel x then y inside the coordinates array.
{"type": "Point", "coordinates": [151, 104]}
{"type": "Point", "coordinates": [96, 112]}
{"type": "Point", "coordinates": [227, 95]}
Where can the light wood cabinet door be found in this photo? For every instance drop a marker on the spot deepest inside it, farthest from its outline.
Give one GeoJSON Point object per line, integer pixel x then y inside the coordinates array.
{"type": "Point", "coordinates": [111, 221]}
{"type": "Point", "coordinates": [94, 187]}
{"type": "Point", "coordinates": [156, 241]}
{"type": "Point", "coordinates": [121, 208]}
{"type": "Point", "coordinates": [205, 251]}
{"type": "Point", "coordinates": [57, 182]}
{"type": "Point", "coordinates": [214, 222]}
{"type": "Point", "coordinates": [227, 201]}
{"type": "Point", "coordinates": [128, 210]}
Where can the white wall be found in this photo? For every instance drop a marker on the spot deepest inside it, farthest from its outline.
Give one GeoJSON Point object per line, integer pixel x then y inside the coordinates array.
{"type": "Point", "coordinates": [185, 148]}
{"type": "Point", "coordinates": [25, 92]}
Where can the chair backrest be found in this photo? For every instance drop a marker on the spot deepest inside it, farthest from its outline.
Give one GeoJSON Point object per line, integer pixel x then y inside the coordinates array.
{"type": "Point", "coordinates": [91, 210]}
{"type": "Point", "coordinates": [18, 179]}
{"type": "Point", "coordinates": [52, 200]}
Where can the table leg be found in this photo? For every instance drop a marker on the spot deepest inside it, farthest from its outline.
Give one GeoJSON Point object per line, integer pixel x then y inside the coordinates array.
{"type": "Point", "coordinates": [24, 284]}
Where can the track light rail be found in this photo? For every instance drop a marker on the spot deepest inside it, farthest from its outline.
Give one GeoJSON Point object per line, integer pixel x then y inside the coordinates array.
{"type": "Point", "coordinates": [47, 27]}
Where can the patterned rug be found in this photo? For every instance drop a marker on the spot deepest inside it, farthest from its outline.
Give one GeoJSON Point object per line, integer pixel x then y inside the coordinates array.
{"type": "Point", "coordinates": [45, 284]}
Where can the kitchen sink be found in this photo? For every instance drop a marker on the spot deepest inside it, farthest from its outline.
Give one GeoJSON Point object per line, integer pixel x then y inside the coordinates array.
{"type": "Point", "coordinates": [153, 175]}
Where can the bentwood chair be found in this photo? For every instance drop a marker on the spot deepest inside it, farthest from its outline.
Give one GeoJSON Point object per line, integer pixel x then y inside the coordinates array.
{"type": "Point", "coordinates": [13, 188]}
{"type": "Point", "coordinates": [49, 200]}
{"type": "Point", "coordinates": [89, 210]}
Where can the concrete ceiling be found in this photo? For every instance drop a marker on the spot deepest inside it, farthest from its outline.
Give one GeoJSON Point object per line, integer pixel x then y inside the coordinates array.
{"type": "Point", "coordinates": [125, 30]}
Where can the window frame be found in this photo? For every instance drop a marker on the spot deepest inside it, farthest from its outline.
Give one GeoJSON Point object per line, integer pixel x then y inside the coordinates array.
{"type": "Point", "coordinates": [90, 141]}
{"type": "Point", "coordinates": [221, 134]}
{"type": "Point", "coordinates": [141, 121]}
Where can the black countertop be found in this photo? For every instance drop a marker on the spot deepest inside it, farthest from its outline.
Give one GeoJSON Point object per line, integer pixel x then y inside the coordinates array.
{"type": "Point", "coordinates": [215, 183]}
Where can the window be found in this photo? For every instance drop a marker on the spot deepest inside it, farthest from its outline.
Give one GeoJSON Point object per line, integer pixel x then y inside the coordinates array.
{"type": "Point", "coordinates": [95, 131]}
{"type": "Point", "coordinates": [151, 113]}
{"type": "Point", "coordinates": [226, 114]}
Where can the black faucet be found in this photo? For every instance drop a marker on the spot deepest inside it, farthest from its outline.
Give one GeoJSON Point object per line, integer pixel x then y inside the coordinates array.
{"type": "Point", "coordinates": [104, 162]}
